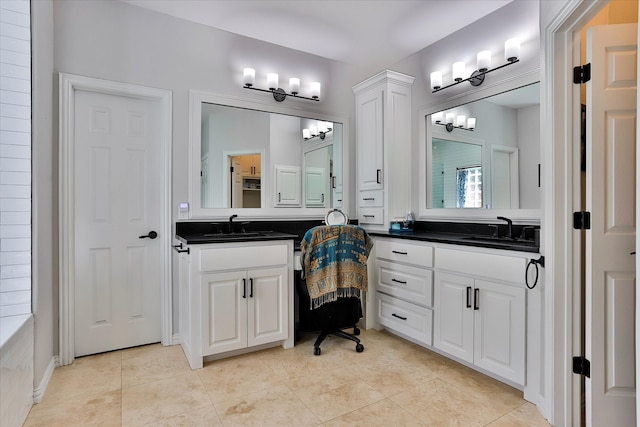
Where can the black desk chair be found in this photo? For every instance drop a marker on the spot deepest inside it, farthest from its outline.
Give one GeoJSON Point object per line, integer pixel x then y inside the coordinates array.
{"type": "Point", "coordinates": [345, 310]}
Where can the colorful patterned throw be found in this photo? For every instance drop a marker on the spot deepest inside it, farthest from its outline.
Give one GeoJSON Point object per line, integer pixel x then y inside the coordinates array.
{"type": "Point", "coordinates": [334, 261]}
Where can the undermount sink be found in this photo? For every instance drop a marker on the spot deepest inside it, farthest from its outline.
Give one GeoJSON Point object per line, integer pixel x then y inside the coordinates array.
{"type": "Point", "coordinates": [239, 235]}
{"type": "Point", "coordinates": [505, 240]}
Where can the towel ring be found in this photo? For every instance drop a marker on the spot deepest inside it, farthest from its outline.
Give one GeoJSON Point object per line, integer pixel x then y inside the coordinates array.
{"type": "Point", "coordinates": [331, 219]}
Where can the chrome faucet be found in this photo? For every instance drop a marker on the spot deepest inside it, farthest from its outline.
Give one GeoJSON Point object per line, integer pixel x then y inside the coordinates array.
{"type": "Point", "coordinates": [509, 226]}
{"type": "Point", "coordinates": [231, 222]}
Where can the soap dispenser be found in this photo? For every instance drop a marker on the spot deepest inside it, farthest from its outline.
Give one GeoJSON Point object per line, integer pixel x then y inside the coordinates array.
{"type": "Point", "coordinates": [409, 221]}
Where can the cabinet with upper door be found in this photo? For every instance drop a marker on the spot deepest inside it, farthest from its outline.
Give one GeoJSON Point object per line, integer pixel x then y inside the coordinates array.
{"type": "Point", "coordinates": [235, 297]}
{"type": "Point", "coordinates": [251, 164]}
{"type": "Point", "coordinates": [480, 320]}
{"type": "Point", "coordinates": [383, 147]}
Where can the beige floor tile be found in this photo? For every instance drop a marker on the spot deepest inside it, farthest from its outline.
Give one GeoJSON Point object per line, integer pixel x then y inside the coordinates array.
{"type": "Point", "coordinates": [88, 375]}
{"type": "Point", "coordinates": [277, 406]}
{"type": "Point", "coordinates": [166, 398]}
{"type": "Point", "coordinates": [526, 415]}
{"type": "Point", "coordinates": [102, 409]}
{"type": "Point", "coordinates": [152, 363]}
{"type": "Point", "coordinates": [384, 413]}
{"type": "Point", "coordinates": [236, 377]}
{"type": "Point", "coordinates": [335, 393]}
{"type": "Point", "coordinates": [203, 417]}
{"type": "Point", "coordinates": [437, 403]}
{"type": "Point", "coordinates": [490, 392]}
{"type": "Point", "coordinates": [390, 375]}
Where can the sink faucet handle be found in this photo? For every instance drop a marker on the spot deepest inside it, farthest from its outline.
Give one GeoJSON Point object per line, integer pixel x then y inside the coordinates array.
{"type": "Point", "coordinates": [231, 222]}
{"type": "Point", "coordinates": [509, 226]}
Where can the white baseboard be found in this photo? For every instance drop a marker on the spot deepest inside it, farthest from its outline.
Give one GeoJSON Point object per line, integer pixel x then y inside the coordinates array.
{"type": "Point", "coordinates": [175, 339]}
{"type": "Point", "coordinates": [38, 392]}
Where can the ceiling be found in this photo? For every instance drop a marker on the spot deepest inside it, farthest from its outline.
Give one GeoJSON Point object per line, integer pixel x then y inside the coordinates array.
{"type": "Point", "coordinates": [368, 33]}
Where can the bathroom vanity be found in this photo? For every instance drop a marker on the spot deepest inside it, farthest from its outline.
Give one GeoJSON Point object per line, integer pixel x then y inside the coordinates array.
{"type": "Point", "coordinates": [236, 293]}
{"type": "Point", "coordinates": [463, 297]}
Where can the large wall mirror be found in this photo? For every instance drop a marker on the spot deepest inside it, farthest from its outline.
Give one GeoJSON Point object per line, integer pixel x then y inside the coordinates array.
{"type": "Point", "coordinates": [481, 159]}
{"type": "Point", "coordinates": [259, 160]}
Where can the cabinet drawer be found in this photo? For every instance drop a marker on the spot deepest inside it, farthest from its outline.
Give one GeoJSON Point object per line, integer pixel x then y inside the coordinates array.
{"type": "Point", "coordinates": [371, 198]}
{"type": "Point", "coordinates": [406, 318]}
{"type": "Point", "coordinates": [409, 253]}
{"type": "Point", "coordinates": [499, 267]}
{"type": "Point", "coordinates": [371, 216]}
{"type": "Point", "coordinates": [409, 283]}
{"type": "Point", "coordinates": [242, 258]}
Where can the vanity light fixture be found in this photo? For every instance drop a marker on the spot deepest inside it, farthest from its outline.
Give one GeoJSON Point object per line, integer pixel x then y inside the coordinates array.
{"type": "Point", "coordinates": [450, 121]}
{"type": "Point", "coordinates": [249, 79]}
{"type": "Point", "coordinates": [319, 130]}
{"type": "Point", "coordinates": [511, 55]}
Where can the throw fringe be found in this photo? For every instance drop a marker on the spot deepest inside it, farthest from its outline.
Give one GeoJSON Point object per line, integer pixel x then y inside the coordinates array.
{"type": "Point", "coordinates": [333, 296]}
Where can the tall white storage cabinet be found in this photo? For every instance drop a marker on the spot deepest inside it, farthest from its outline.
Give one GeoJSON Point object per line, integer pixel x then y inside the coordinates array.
{"type": "Point", "coordinates": [383, 146]}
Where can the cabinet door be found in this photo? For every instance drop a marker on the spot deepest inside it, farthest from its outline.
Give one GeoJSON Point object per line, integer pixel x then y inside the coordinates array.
{"type": "Point", "coordinates": [499, 324]}
{"type": "Point", "coordinates": [224, 312]}
{"type": "Point", "coordinates": [369, 137]}
{"type": "Point", "coordinates": [287, 186]}
{"type": "Point", "coordinates": [453, 323]}
{"type": "Point", "coordinates": [267, 296]}
{"type": "Point", "coordinates": [316, 187]}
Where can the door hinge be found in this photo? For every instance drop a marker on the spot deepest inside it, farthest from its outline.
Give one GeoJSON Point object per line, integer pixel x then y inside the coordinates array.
{"type": "Point", "coordinates": [582, 366]}
{"type": "Point", "coordinates": [582, 74]}
{"type": "Point", "coordinates": [582, 220]}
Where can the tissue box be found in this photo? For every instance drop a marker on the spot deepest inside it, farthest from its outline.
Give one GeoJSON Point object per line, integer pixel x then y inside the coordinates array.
{"type": "Point", "coordinates": [401, 226]}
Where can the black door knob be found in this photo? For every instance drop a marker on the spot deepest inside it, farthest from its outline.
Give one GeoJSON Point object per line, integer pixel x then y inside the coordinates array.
{"type": "Point", "coordinates": [152, 235]}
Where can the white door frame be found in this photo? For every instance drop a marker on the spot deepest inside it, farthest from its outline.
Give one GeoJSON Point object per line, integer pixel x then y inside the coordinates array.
{"type": "Point", "coordinates": [561, 165]}
{"type": "Point", "coordinates": [69, 84]}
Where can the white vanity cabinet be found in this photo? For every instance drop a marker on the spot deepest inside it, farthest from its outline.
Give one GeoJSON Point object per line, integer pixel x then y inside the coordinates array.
{"type": "Point", "coordinates": [235, 297]}
{"type": "Point", "coordinates": [383, 147]}
{"type": "Point", "coordinates": [404, 285]}
{"type": "Point", "coordinates": [243, 309]}
{"type": "Point", "coordinates": [480, 310]}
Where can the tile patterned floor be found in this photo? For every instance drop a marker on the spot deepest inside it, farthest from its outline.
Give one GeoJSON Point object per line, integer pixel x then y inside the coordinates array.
{"type": "Point", "coordinates": [392, 383]}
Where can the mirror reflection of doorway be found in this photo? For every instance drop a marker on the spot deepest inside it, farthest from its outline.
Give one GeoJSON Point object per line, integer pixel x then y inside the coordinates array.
{"type": "Point", "coordinates": [245, 188]}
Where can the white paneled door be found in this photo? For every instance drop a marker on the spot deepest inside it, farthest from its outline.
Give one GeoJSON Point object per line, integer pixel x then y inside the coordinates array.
{"type": "Point", "coordinates": [117, 169]}
{"type": "Point", "coordinates": [610, 266]}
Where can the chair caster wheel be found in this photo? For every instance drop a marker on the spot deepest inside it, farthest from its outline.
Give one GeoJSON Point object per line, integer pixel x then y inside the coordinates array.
{"type": "Point", "coordinates": [359, 348]}
{"type": "Point", "coordinates": [356, 331]}
{"type": "Point", "coordinates": [316, 351]}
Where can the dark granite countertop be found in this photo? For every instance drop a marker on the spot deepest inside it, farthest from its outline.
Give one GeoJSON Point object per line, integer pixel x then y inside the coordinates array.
{"type": "Point", "coordinates": [199, 239]}
{"type": "Point", "coordinates": [464, 234]}
{"type": "Point", "coordinates": [463, 239]}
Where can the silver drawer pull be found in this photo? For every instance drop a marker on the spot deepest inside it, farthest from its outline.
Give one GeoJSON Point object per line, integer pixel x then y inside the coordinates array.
{"type": "Point", "coordinates": [399, 281]}
{"type": "Point", "coordinates": [399, 317]}
{"type": "Point", "coordinates": [399, 253]}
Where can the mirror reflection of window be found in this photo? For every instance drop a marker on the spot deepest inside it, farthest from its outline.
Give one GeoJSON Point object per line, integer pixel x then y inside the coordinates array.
{"type": "Point", "coordinates": [450, 160]}
{"type": "Point", "coordinates": [469, 188]}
